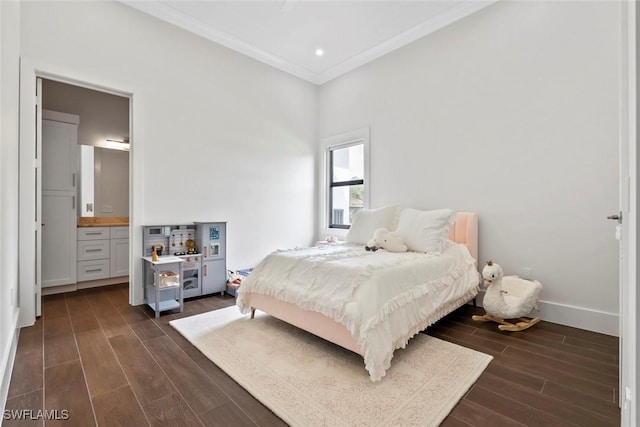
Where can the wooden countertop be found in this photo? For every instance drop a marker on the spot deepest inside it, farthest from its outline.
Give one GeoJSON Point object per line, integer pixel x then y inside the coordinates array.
{"type": "Point", "coordinates": [103, 221]}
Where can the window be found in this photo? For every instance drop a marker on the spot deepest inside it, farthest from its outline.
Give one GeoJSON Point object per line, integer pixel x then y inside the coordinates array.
{"type": "Point", "coordinates": [346, 190]}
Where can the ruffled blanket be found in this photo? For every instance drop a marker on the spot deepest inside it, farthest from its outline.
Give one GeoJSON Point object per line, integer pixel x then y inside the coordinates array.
{"type": "Point", "coordinates": [382, 298]}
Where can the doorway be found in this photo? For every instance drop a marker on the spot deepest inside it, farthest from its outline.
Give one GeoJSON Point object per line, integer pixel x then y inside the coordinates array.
{"type": "Point", "coordinates": [30, 183]}
{"type": "Point", "coordinates": [85, 188]}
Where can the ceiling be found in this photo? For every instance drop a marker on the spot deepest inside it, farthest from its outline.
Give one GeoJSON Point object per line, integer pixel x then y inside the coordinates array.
{"type": "Point", "coordinates": [287, 33]}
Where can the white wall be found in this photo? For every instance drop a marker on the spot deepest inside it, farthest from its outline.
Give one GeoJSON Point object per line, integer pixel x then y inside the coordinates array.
{"type": "Point", "coordinates": [9, 74]}
{"type": "Point", "coordinates": [511, 113]}
{"type": "Point", "coordinates": [520, 98]}
{"type": "Point", "coordinates": [216, 135]}
{"type": "Point", "coordinates": [102, 115]}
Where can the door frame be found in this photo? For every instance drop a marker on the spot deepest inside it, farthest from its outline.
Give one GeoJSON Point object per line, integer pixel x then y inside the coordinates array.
{"type": "Point", "coordinates": [629, 297]}
{"type": "Point", "coordinates": [29, 259]}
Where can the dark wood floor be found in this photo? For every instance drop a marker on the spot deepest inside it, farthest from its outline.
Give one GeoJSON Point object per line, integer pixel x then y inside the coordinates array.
{"type": "Point", "coordinates": [111, 364]}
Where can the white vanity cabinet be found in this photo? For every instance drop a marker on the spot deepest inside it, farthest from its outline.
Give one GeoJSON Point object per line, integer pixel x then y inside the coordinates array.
{"type": "Point", "coordinates": [119, 258]}
{"type": "Point", "coordinates": [103, 252]}
{"type": "Point", "coordinates": [93, 253]}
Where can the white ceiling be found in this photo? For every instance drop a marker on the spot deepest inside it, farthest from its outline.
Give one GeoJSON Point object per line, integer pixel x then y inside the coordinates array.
{"type": "Point", "coordinates": [286, 33]}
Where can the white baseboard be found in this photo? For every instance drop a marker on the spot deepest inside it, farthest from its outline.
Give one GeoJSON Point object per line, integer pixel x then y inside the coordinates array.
{"type": "Point", "coordinates": [577, 317]}
{"type": "Point", "coordinates": [8, 358]}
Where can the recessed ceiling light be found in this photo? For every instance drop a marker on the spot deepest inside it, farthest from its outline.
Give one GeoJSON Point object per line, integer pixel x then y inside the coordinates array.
{"type": "Point", "coordinates": [319, 52]}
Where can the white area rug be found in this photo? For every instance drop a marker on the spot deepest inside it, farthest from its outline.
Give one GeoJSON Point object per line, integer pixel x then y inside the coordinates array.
{"type": "Point", "coordinates": [307, 381]}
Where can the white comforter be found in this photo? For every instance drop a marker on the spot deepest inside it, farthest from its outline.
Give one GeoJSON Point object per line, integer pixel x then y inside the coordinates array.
{"type": "Point", "coordinates": [382, 298]}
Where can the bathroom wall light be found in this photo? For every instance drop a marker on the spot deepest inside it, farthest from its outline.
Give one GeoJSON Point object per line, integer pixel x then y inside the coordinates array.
{"type": "Point", "coordinates": [117, 145]}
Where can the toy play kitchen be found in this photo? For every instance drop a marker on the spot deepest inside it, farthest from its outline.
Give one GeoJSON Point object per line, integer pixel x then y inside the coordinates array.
{"type": "Point", "coordinates": [202, 248]}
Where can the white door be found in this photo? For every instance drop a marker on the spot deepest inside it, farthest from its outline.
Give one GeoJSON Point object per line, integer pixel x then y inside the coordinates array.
{"type": "Point", "coordinates": [59, 199]}
{"type": "Point", "coordinates": [37, 165]}
{"type": "Point", "coordinates": [58, 239]}
{"type": "Point", "coordinates": [627, 226]}
{"type": "Point", "coordinates": [59, 155]}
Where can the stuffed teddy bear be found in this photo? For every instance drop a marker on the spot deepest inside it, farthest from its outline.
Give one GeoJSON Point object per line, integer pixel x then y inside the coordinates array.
{"type": "Point", "coordinates": [385, 239]}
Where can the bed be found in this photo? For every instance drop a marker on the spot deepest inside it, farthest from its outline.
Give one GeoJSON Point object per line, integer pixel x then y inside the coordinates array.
{"type": "Point", "coordinates": [368, 302]}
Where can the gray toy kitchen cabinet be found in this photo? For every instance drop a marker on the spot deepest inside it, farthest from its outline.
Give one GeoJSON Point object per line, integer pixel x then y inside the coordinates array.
{"type": "Point", "coordinates": [211, 240]}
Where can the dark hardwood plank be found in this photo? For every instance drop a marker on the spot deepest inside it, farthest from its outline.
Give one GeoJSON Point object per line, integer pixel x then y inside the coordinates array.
{"type": "Point", "coordinates": [114, 325]}
{"type": "Point", "coordinates": [594, 346]}
{"type": "Point", "coordinates": [583, 357]}
{"type": "Point", "coordinates": [163, 323]}
{"type": "Point", "coordinates": [108, 317]}
{"type": "Point", "coordinates": [605, 378]}
{"type": "Point", "coordinates": [543, 338]}
{"type": "Point", "coordinates": [81, 314]}
{"type": "Point", "coordinates": [65, 389]}
{"type": "Point", "coordinates": [515, 376]}
{"type": "Point", "coordinates": [27, 369]}
{"type": "Point", "coordinates": [475, 415]}
{"type": "Point", "coordinates": [101, 368]}
{"type": "Point", "coordinates": [146, 378]}
{"type": "Point", "coordinates": [470, 329]}
{"type": "Point", "coordinates": [33, 401]}
{"type": "Point", "coordinates": [146, 329]}
{"type": "Point", "coordinates": [59, 342]}
{"type": "Point", "coordinates": [133, 314]}
{"type": "Point", "coordinates": [545, 403]}
{"type": "Point", "coordinates": [585, 401]}
{"type": "Point", "coordinates": [119, 408]}
{"type": "Point", "coordinates": [547, 375]}
{"type": "Point", "coordinates": [513, 408]}
{"type": "Point", "coordinates": [200, 392]}
{"type": "Point", "coordinates": [594, 337]}
{"type": "Point", "coordinates": [559, 375]}
{"type": "Point", "coordinates": [54, 306]}
{"type": "Point", "coordinates": [544, 329]}
{"type": "Point", "coordinates": [452, 421]}
{"type": "Point", "coordinates": [171, 411]}
{"type": "Point", "coordinates": [469, 341]}
{"type": "Point", "coordinates": [117, 297]}
{"type": "Point", "coordinates": [226, 415]}
{"type": "Point", "coordinates": [84, 322]}
{"type": "Point", "coordinates": [537, 335]}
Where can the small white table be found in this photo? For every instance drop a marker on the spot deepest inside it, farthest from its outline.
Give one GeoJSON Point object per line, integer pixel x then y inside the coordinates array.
{"type": "Point", "coordinates": [170, 264]}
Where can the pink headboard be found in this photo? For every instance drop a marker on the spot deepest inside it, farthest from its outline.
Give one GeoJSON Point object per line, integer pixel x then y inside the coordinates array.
{"type": "Point", "coordinates": [465, 230]}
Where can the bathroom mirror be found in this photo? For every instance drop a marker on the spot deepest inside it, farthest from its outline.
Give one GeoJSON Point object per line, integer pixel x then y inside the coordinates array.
{"type": "Point", "coordinates": [103, 189]}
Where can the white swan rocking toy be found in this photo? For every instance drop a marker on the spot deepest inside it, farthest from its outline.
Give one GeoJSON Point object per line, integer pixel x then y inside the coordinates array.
{"type": "Point", "coordinates": [508, 298]}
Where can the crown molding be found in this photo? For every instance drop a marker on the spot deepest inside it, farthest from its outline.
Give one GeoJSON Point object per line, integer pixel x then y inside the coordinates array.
{"type": "Point", "coordinates": [169, 14]}
{"type": "Point", "coordinates": [440, 21]}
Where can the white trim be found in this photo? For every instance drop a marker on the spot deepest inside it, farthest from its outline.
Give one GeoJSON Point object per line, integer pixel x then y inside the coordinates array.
{"type": "Point", "coordinates": [29, 70]}
{"type": "Point", "coordinates": [346, 139]}
{"type": "Point", "coordinates": [577, 317]}
{"type": "Point", "coordinates": [8, 359]}
{"type": "Point", "coordinates": [628, 397]}
{"type": "Point", "coordinates": [455, 14]}
{"type": "Point", "coordinates": [57, 116]}
{"type": "Point", "coordinates": [167, 13]}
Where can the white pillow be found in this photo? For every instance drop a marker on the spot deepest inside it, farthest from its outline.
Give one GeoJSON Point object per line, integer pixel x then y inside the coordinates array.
{"type": "Point", "coordinates": [425, 231]}
{"type": "Point", "coordinates": [367, 221]}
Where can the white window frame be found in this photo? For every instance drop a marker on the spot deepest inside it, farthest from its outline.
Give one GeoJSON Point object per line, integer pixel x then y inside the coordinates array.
{"type": "Point", "coordinates": [343, 140]}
